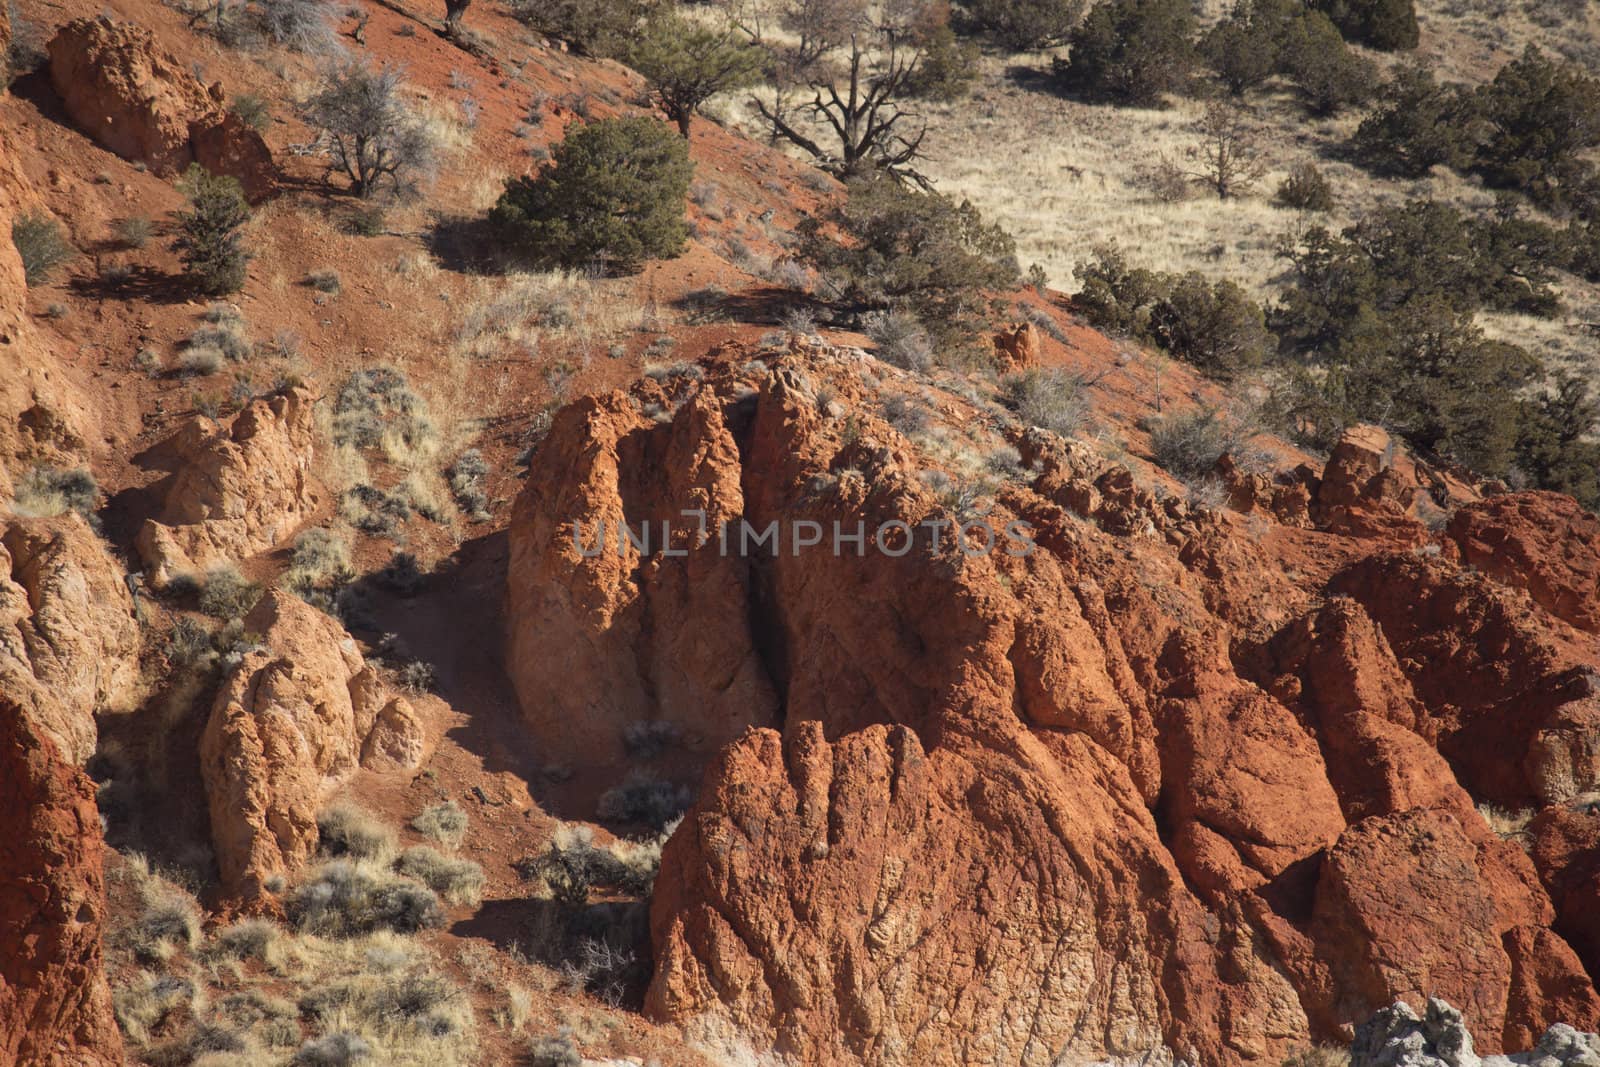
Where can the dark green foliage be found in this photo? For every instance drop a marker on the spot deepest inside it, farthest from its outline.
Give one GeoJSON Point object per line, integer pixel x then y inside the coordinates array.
{"type": "Point", "coordinates": [1213, 325]}
{"type": "Point", "coordinates": [41, 243]}
{"type": "Point", "coordinates": [911, 249]}
{"type": "Point", "coordinates": [1305, 189]}
{"type": "Point", "coordinates": [1388, 25]}
{"type": "Point", "coordinates": [949, 67]}
{"type": "Point", "coordinates": [252, 110]}
{"type": "Point", "coordinates": [1022, 25]}
{"type": "Point", "coordinates": [1556, 449]}
{"type": "Point", "coordinates": [1538, 115]}
{"type": "Point", "coordinates": [1130, 51]}
{"type": "Point", "coordinates": [209, 240]}
{"type": "Point", "coordinates": [591, 27]}
{"type": "Point", "coordinates": [1246, 48]}
{"type": "Point", "coordinates": [1419, 125]}
{"type": "Point", "coordinates": [686, 63]}
{"type": "Point", "coordinates": [613, 192]}
{"type": "Point", "coordinates": [1328, 74]}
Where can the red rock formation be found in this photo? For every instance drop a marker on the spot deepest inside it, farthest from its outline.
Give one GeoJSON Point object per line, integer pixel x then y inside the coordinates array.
{"type": "Point", "coordinates": [291, 721]}
{"type": "Point", "coordinates": [1542, 542]}
{"type": "Point", "coordinates": [125, 91]}
{"type": "Point", "coordinates": [1566, 849]}
{"type": "Point", "coordinates": [1173, 779]}
{"type": "Point", "coordinates": [69, 644]}
{"type": "Point", "coordinates": [55, 1009]}
{"type": "Point", "coordinates": [238, 487]}
{"type": "Point", "coordinates": [1017, 347]}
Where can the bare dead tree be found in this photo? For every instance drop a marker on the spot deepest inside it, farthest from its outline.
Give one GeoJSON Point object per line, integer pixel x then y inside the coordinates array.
{"type": "Point", "coordinates": [1230, 164]}
{"type": "Point", "coordinates": [855, 119]}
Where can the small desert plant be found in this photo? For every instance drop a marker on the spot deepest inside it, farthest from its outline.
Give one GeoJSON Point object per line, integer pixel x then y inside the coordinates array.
{"type": "Point", "coordinates": [320, 559]}
{"type": "Point", "coordinates": [345, 899]}
{"type": "Point", "coordinates": [446, 823]}
{"type": "Point", "coordinates": [555, 1050]}
{"type": "Point", "coordinates": [168, 917]}
{"type": "Point", "coordinates": [375, 401]}
{"type": "Point", "coordinates": [466, 476]}
{"type": "Point", "coordinates": [42, 244]}
{"type": "Point", "coordinates": [901, 340]}
{"type": "Point", "coordinates": [1305, 189]}
{"type": "Point", "coordinates": [249, 939]}
{"type": "Point", "coordinates": [1048, 397]}
{"type": "Point", "coordinates": [1318, 1056]}
{"type": "Point", "coordinates": [209, 240]}
{"type": "Point", "coordinates": [325, 280]}
{"type": "Point", "coordinates": [226, 594]}
{"type": "Point", "coordinates": [1190, 444]}
{"type": "Point", "coordinates": [458, 881]}
{"type": "Point", "coordinates": [252, 110]}
{"type": "Point", "coordinates": [346, 830]}
{"type": "Point", "coordinates": [144, 1003]}
{"type": "Point", "coordinates": [649, 739]}
{"type": "Point", "coordinates": [134, 231]}
{"type": "Point", "coordinates": [200, 361]}
{"type": "Point", "coordinates": [649, 801]}
{"type": "Point", "coordinates": [341, 1049]}
{"type": "Point", "coordinates": [226, 336]}
{"type": "Point", "coordinates": [45, 490]}
{"type": "Point", "coordinates": [416, 677]}
{"type": "Point", "coordinates": [306, 26]}
{"type": "Point", "coordinates": [370, 133]}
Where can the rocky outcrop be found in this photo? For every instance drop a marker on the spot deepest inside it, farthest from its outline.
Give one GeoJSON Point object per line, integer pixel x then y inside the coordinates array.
{"type": "Point", "coordinates": [69, 642]}
{"type": "Point", "coordinates": [1566, 850]}
{"type": "Point", "coordinates": [1017, 347]}
{"type": "Point", "coordinates": [1175, 780]}
{"type": "Point", "coordinates": [581, 610]}
{"type": "Point", "coordinates": [1398, 1037]}
{"type": "Point", "coordinates": [238, 487]}
{"type": "Point", "coordinates": [1544, 543]}
{"type": "Point", "coordinates": [55, 1009]}
{"type": "Point", "coordinates": [129, 94]}
{"type": "Point", "coordinates": [294, 719]}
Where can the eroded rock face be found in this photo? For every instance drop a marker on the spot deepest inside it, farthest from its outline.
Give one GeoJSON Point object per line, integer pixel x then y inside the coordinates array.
{"type": "Point", "coordinates": [1178, 781]}
{"type": "Point", "coordinates": [294, 719]}
{"type": "Point", "coordinates": [1398, 1037]}
{"type": "Point", "coordinates": [238, 487]}
{"type": "Point", "coordinates": [69, 642]}
{"type": "Point", "coordinates": [124, 90]}
{"type": "Point", "coordinates": [1542, 542]}
{"type": "Point", "coordinates": [55, 1009]}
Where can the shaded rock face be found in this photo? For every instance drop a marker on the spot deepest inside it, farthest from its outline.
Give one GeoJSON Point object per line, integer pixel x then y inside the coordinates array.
{"type": "Point", "coordinates": [1542, 542]}
{"type": "Point", "coordinates": [294, 719]}
{"type": "Point", "coordinates": [239, 487]}
{"type": "Point", "coordinates": [55, 1009]}
{"type": "Point", "coordinates": [125, 91]}
{"type": "Point", "coordinates": [1177, 782]}
{"type": "Point", "coordinates": [1398, 1037]}
{"type": "Point", "coordinates": [69, 643]}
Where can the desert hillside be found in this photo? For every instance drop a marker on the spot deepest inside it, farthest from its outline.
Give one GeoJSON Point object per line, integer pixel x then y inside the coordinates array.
{"type": "Point", "coordinates": [799, 532]}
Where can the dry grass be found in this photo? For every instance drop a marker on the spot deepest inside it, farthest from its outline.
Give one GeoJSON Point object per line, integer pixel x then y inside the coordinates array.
{"type": "Point", "coordinates": [348, 830]}
{"type": "Point", "coordinates": [1505, 823]}
{"type": "Point", "coordinates": [445, 823]}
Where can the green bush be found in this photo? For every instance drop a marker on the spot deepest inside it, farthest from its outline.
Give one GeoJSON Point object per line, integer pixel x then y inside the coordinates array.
{"type": "Point", "coordinates": [686, 63]}
{"type": "Point", "coordinates": [1388, 25]}
{"type": "Point", "coordinates": [1213, 325]}
{"type": "Point", "coordinates": [209, 239]}
{"type": "Point", "coordinates": [591, 27]}
{"type": "Point", "coordinates": [42, 244]}
{"type": "Point", "coordinates": [614, 192]}
{"type": "Point", "coordinates": [1556, 446]}
{"type": "Point", "coordinates": [1328, 74]}
{"type": "Point", "coordinates": [1021, 25]}
{"type": "Point", "coordinates": [1305, 189]}
{"type": "Point", "coordinates": [1130, 51]}
{"type": "Point", "coordinates": [949, 67]}
{"type": "Point", "coordinates": [903, 248]}
{"type": "Point", "coordinates": [1116, 296]}
{"type": "Point", "coordinates": [1539, 116]}
{"type": "Point", "coordinates": [1420, 125]}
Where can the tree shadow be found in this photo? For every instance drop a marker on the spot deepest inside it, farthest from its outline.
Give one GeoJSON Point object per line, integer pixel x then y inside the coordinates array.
{"type": "Point", "coordinates": [464, 244]}
{"type": "Point", "coordinates": [134, 282]}
{"type": "Point", "coordinates": [768, 304]}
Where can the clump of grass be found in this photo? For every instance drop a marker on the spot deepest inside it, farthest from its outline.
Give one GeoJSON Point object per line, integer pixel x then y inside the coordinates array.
{"type": "Point", "coordinates": [42, 244]}
{"type": "Point", "coordinates": [325, 280]}
{"type": "Point", "coordinates": [168, 917]}
{"type": "Point", "coordinates": [375, 402]}
{"type": "Point", "coordinates": [466, 476]}
{"type": "Point", "coordinates": [445, 823]}
{"type": "Point", "coordinates": [416, 677]}
{"type": "Point", "coordinates": [134, 231]}
{"type": "Point", "coordinates": [249, 939]}
{"type": "Point", "coordinates": [226, 594]}
{"type": "Point", "coordinates": [552, 1050]}
{"type": "Point", "coordinates": [347, 830]}
{"type": "Point", "coordinates": [319, 566]}
{"type": "Point", "coordinates": [1048, 397]}
{"type": "Point", "coordinates": [45, 491]}
{"type": "Point", "coordinates": [342, 1049]}
{"type": "Point", "coordinates": [345, 899]}
{"type": "Point", "coordinates": [901, 340]}
{"type": "Point", "coordinates": [225, 331]}
{"type": "Point", "coordinates": [1507, 824]}
{"type": "Point", "coordinates": [458, 881]}
{"type": "Point", "coordinates": [200, 361]}
{"type": "Point", "coordinates": [252, 110]}
{"type": "Point", "coordinates": [144, 1003]}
